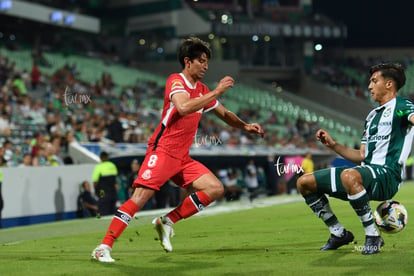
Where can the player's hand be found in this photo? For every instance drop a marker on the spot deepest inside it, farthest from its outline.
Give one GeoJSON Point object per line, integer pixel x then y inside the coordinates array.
{"type": "Point", "coordinates": [224, 84]}
{"type": "Point", "coordinates": [255, 128]}
{"type": "Point", "coordinates": [326, 139]}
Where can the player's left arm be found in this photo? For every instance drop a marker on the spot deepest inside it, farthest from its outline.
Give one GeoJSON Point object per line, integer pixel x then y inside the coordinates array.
{"type": "Point", "coordinates": [234, 121]}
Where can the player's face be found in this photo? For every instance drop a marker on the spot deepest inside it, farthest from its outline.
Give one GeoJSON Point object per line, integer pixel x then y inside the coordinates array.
{"type": "Point", "coordinates": [198, 66]}
{"type": "Point", "coordinates": [378, 87]}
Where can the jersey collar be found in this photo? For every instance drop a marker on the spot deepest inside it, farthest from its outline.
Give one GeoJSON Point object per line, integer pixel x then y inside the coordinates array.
{"type": "Point", "coordinates": [387, 104]}
{"type": "Point", "coordinates": [187, 82]}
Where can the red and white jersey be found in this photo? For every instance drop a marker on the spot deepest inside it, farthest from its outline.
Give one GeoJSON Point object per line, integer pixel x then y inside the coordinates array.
{"type": "Point", "coordinates": [175, 133]}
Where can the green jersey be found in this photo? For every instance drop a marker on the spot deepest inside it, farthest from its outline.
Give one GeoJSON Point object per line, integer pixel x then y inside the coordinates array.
{"type": "Point", "coordinates": [388, 134]}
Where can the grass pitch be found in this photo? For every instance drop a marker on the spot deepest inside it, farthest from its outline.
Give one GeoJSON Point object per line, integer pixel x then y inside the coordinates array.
{"type": "Point", "coordinates": [280, 239]}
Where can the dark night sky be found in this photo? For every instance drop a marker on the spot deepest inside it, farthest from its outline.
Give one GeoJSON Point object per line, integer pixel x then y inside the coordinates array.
{"type": "Point", "coordinates": [372, 23]}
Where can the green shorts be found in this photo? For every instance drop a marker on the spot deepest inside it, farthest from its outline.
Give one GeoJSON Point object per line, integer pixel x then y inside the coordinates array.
{"type": "Point", "coordinates": [379, 182]}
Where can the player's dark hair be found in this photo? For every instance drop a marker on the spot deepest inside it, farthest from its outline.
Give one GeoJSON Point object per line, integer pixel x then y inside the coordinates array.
{"type": "Point", "coordinates": [193, 48]}
{"type": "Point", "coordinates": [394, 71]}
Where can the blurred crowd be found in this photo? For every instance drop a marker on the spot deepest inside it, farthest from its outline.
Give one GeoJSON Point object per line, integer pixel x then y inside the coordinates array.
{"type": "Point", "coordinates": [350, 75]}
{"type": "Point", "coordinates": [41, 114]}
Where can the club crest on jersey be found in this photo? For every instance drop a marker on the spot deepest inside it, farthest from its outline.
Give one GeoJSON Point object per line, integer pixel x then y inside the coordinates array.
{"type": "Point", "coordinates": [146, 174]}
{"type": "Point", "coordinates": [387, 112]}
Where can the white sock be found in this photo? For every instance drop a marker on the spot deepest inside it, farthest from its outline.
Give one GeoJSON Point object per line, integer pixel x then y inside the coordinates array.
{"type": "Point", "coordinates": [370, 230]}
{"type": "Point", "coordinates": [337, 229]}
{"type": "Point", "coordinates": [105, 246]}
{"type": "Point", "coordinates": [167, 220]}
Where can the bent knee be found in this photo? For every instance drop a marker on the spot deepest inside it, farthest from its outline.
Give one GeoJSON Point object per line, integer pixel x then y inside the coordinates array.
{"type": "Point", "coordinates": [209, 184]}
{"type": "Point", "coordinates": [306, 183]}
{"type": "Point", "coordinates": [350, 177]}
{"type": "Point", "coordinates": [216, 190]}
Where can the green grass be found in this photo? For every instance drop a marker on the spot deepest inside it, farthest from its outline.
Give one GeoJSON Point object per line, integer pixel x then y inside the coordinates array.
{"type": "Point", "coordinates": [276, 240]}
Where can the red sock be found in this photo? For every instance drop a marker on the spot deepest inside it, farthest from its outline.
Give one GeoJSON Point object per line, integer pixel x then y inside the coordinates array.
{"type": "Point", "coordinates": [120, 221]}
{"type": "Point", "coordinates": [191, 205]}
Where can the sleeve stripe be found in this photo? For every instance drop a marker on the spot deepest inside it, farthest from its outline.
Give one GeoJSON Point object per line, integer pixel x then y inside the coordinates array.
{"type": "Point", "coordinates": [177, 91]}
{"type": "Point", "coordinates": [211, 108]}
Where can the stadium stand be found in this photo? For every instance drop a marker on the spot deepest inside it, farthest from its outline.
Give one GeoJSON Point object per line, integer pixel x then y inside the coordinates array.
{"type": "Point", "coordinates": [349, 76]}
{"type": "Point", "coordinates": [243, 98]}
{"type": "Point", "coordinates": [90, 92]}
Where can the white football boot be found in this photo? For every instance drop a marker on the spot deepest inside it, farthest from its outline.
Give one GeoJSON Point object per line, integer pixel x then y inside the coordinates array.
{"type": "Point", "coordinates": [102, 253]}
{"type": "Point", "coordinates": [165, 232]}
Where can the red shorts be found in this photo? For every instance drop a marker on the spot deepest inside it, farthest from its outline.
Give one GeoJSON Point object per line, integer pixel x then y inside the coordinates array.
{"type": "Point", "coordinates": [158, 167]}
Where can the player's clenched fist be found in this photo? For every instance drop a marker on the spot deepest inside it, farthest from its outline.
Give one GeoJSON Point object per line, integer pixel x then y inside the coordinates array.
{"type": "Point", "coordinates": [224, 84]}
{"type": "Point", "coordinates": [325, 138]}
{"type": "Point", "coordinates": [255, 128]}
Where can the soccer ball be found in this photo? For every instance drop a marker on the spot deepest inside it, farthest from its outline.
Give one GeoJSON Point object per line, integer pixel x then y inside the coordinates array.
{"type": "Point", "coordinates": [391, 217]}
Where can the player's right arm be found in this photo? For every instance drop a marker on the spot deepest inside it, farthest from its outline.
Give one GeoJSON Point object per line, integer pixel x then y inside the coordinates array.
{"type": "Point", "coordinates": [353, 155]}
{"type": "Point", "coordinates": [185, 105]}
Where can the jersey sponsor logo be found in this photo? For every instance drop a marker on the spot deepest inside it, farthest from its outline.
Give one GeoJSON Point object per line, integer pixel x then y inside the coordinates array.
{"type": "Point", "coordinates": [146, 175]}
{"type": "Point", "coordinates": [378, 138]}
{"type": "Point", "coordinates": [385, 123]}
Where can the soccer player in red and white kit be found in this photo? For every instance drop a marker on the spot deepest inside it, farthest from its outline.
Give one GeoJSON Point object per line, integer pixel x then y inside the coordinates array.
{"type": "Point", "coordinates": [167, 156]}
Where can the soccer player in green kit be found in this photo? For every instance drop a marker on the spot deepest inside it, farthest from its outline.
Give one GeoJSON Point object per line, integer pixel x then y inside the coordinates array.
{"type": "Point", "coordinates": [385, 146]}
